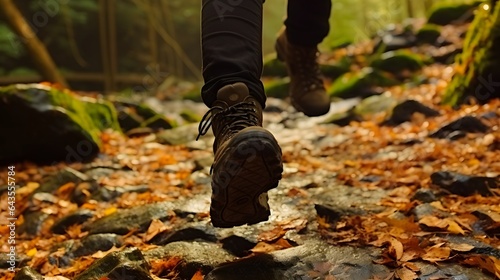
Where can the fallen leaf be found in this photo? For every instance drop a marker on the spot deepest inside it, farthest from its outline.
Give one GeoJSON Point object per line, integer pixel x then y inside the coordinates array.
{"type": "Point", "coordinates": [461, 247]}
{"type": "Point", "coordinates": [197, 276]}
{"type": "Point", "coordinates": [406, 274]}
{"type": "Point", "coordinates": [436, 253]}
{"type": "Point", "coordinates": [154, 229]}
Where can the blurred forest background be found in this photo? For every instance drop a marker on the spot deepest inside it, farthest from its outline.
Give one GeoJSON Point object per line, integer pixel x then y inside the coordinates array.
{"type": "Point", "coordinates": [136, 44]}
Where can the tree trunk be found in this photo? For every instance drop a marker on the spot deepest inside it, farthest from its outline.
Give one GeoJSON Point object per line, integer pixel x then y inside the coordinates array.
{"type": "Point", "coordinates": [477, 74]}
{"type": "Point", "coordinates": [34, 46]}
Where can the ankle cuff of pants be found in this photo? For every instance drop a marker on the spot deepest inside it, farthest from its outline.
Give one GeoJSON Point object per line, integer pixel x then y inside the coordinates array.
{"type": "Point", "coordinates": [256, 88]}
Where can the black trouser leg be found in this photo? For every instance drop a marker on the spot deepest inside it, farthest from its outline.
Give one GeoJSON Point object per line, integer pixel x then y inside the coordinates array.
{"type": "Point", "coordinates": [232, 46]}
{"type": "Point", "coordinates": [307, 21]}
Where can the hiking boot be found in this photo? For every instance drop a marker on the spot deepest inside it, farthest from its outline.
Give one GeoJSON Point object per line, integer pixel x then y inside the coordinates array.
{"type": "Point", "coordinates": [307, 92]}
{"type": "Point", "coordinates": [247, 158]}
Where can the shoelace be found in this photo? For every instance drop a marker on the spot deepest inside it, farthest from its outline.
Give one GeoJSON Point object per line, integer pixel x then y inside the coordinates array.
{"type": "Point", "coordinates": [308, 68]}
{"type": "Point", "coordinates": [235, 118]}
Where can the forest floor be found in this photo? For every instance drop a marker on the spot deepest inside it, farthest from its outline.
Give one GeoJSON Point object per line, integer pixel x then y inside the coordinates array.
{"type": "Point", "coordinates": [361, 201]}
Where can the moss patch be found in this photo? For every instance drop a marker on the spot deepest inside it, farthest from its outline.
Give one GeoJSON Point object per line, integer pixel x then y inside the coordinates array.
{"type": "Point", "coordinates": [428, 34]}
{"type": "Point", "coordinates": [445, 13]}
{"type": "Point", "coordinates": [49, 124]}
{"type": "Point", "coordinates": [477, 72]}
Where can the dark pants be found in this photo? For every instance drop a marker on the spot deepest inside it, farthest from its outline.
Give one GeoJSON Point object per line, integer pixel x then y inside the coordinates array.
{"type": "Point", "coordinates": [232, 40]}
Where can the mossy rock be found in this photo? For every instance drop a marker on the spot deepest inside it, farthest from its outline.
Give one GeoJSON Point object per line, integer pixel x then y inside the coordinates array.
{"type": "Point", "coordinates": [428, 34]}
{"type": "Point", "coordinates": [193, 94]}
{"type": "Point", "coordinates": [360, 84]}
{"type": "Point", "coordinates": [273, 67]}
{"type": "Point", "coordinates": [133, 115]}
{"type": "Point", "coordinates": [334, 70]}
{"type": "Point", "coordinates": [190, 116]}
{"type": "Point", "coordinates": [396, 62]}
{"type": "Point", "coordinates": [159, 122]}
{"type": "Point", "coordinates": [43, 123]}
{"type": "Point", "coordinates": [277, 88]}
{"type": "Point", "coordinates": [477, 73]}
{"type": "Point", "coordinates": [446, 13]}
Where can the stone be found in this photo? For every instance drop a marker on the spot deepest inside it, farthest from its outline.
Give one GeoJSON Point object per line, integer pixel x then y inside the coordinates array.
{"type": "Point", "coordinates": [465, 185]}
{"type": "Point", "coordinates": [53, 182]}
{"type": "Point", "coordinates": [237, 245]}
{"type": "Point", "coordinates": [273, 67]}
{"type": "Point", "coordinates": [333, 214]}
{"type": "Point", "coordinates": [195, 256]}
{"type": "Point", "coordinates": [312, 258]}
{"type": "Point", "coordinates": [20, 260]}
{"type": "Point", "coordinates": [76, 218]}
{"type": "Point", "coordinates": [28, 273]}
{"type": "Point", "coordinates": [398, 63]}
{"type": "Point", "coordinates": [394, 38]}
{"type": "Point", "coordinates": [33, 222]}
{"type": "Point", "coordinates": [424, 195]}
{"type": "Point", "coordinates": [343, 119]}
{"type": "Point", "coordinates": [107, 193]}
{"type": "Point", "coordinates": [179, 135]}
{"type": "Point", "coordinates": [132, 115]}
{"type": "Point", "coordinates": [375, 104]}
{"type": "Point", "coordinates": [125, 220]}
{"type": "Point", "coordinates": [362, 84]}
{"type": "Point", "coordinates": [467, 124]}
{"type": "Point", "coordinates": [66, 127]}
{"type": "Point", "coordinates": [189, 232]}
{"type": "Point", "coordinates": [428, 34]}
{"type": "Point", "coordinates": [96, 242]}
{"type": "Point", "coordinates": [446, 13]}
{"type": "Point", "coordinates": [404, 111]}
{"type": "Point", "coordinates": [128, 264]}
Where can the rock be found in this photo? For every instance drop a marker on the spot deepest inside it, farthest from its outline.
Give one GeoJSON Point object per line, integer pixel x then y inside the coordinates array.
{"type": "Point", "coordinates": [424, 195]}
{"type": "Point", "coordinates": [128, 264]}
{"type": "Point", "coordinates": [76, 218]}
{"type": "Point", "coordinates": [443, 14]}
{"type": "Point", "coordinates": [133, 115]}
{"type": "Point", "coordinates": [394, 38]}
{"type": "Point", "coordinates": [187, 233]}
{"type": "Point", "coordinates": [237, 245]}
{"type": "Point", "coordinates": [465, 185]}
{"type": "Point", "coordinates": [33, 222]}
{"type": "Point", "coordinates": [479, 75]}
{"type": "Point", "coordinates": [190, 116]}
{"type": "Point", "coordinates": [96, 242]}
{"type": "Point", "coordinates": [51, 125]}
{"type": "Point", "coordinates": [404, 111]}
{"type": "Point", "coordinates": [343, 119]}
{"type": "Point", "coordinates": [333, 214]}
{"type": "Point", "coordinates": [375, 104]}
{"type": "Point", "coordinates": [18, 260]}
{"type": "Point", "coordinates": [83, 191]}
{"type": "Point", "coordinates": [465, 125]}
{"type": "Point", "coordinates": [179, 135]}
{"type": "Point", "coordinates": [28, 273]}
{"type": "Point", "coordinates": [360, 84]}
{"type": "Point", "coordinates": [107, 193]}
{"type": "Point", "coordinates": [125, 220]}
{"type": "Point", "coordinates": [53, 182]}
{"type": "Point", "coordinates": [277, 88]}
{"type": "Point", "coordinates": [333, 70]}
{"type": "Point", "coordinates": [427, 209]}
{"type": "Point", "coordinates": [444, 55]}
{"type": "Point", "coordinates": [400, 63]}
{"type": "Point", "coordinates": [313, 258]}
{"type": "Point", "coordinates": [195, 256]}
{"type": "Point", "coordinates": [428, 34]}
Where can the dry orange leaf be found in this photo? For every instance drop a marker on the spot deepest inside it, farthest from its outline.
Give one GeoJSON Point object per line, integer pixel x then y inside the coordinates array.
{"type": "Point", "coordinates": [488, 263]}
{"type": "Point", "coordinates": [461, 247]}
{"type": "Point", "coordinates": [406, 274]}
{"type": "Point", "coordinates": [197, 276]}
{"type": "Point", "coordinates": [155, 227]}
{"type": "Point", "coordinates": [436, 253]}
{"type": "Point", "coordinates": [434, 222]}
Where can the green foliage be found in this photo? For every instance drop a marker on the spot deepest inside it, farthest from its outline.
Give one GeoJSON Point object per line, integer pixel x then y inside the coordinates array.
{"type": "Point", "coordinates": [428, 34]}
{"type": "Point", "coordinates": [359, 83]}
{"type": "Point", "coordinates": [447, 13]}
{"type": "Point", "coordinates": [396, 62]}
{"type": "Point", "coordinates": [477, 66]}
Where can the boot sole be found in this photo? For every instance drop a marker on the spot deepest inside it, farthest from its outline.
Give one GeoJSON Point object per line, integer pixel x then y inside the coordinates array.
{"type": "Point", "coordinates": [248, 169]}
